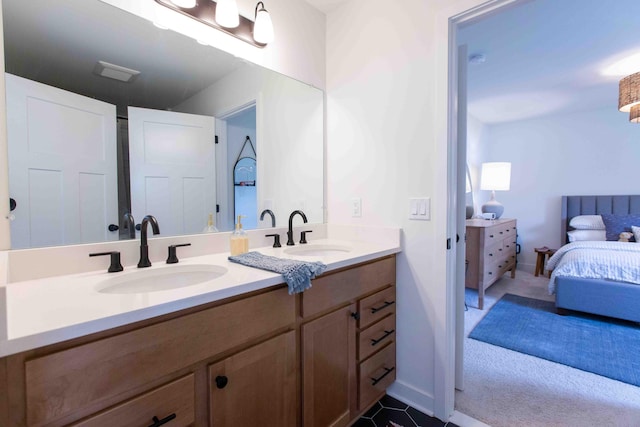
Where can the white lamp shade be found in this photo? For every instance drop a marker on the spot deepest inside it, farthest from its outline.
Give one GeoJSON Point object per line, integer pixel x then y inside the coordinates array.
{"type": "Point", "coordinates": [185, 4]}
{"type": "Point", "coordinates": [263, 27]}
{"type": "Point", "coordinates": [227, 13]}
{"type": "Point", "coordinates": [495, 176]}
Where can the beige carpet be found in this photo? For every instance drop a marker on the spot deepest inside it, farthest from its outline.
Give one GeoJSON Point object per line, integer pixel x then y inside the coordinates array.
{"type": "Point", "coordinates": [507, 388]}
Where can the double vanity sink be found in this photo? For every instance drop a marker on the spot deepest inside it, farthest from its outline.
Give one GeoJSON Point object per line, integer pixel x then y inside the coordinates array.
{"type": "Point", "coordinates": [74, 305]}
{"type": "Point", "coordinates": [175, 276]}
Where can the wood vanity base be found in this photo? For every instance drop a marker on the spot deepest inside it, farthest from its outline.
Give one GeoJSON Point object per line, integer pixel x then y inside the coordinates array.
{"type": "Point", "coordinates": [261, 356]}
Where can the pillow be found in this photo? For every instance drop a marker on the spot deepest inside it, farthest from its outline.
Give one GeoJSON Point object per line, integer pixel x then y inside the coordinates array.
{"type": "Point", "coordinates": [580, 235]}
{"type": "Point", "coordinates": [616, 224]}
{"type": "Point", "coordinates": [636, 232]}
{"type": "Point", "coordinates": [587, 222]}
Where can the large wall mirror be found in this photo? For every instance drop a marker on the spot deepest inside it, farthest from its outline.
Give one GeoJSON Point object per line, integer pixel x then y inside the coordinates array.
{"type": "Point", "coordinates": [108, 114]}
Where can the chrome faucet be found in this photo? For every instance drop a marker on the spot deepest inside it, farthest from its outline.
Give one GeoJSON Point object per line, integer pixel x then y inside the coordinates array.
{"type": "Point", "coordinates": [144, 248]}
{"type": "Point", "coordinates": [290, 232]}
{"type": "Point", "coordinates": [130, 224]}
{"type": "Point", "coordinates": [273, 217]}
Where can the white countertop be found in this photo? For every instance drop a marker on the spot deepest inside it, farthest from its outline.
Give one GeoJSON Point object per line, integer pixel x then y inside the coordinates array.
{"type": "Point", "coordinates": [46, 311]}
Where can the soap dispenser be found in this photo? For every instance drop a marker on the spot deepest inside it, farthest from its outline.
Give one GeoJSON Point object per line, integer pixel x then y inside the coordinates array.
{"type": "Point", "coordinates": [210, 228]}
{"type": "Point", "coordinates": [239, 239]}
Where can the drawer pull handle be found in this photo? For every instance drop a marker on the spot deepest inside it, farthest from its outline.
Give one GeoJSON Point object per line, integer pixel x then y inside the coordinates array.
{"type": "Point", "coordinates": [386, 334]}
{"type": "Point", "coordinates": [355, 315]}
{"type": "Point", "coordinates": [490, 254]}
{"type": "Point", "coordinates": [387, 371]}
{"type": "Point", "coordinates": [491, 235]}
{"type": "Point", "coordinates": [374, 310]}
{"type": "Point", "coordinates": [490, 273]}
{"type": "Point", "coordinates": [221, 381]}
{"type": "Point", "coordinates": [501, 232]}
{"type": "Point", "coordinates": [158, 422]}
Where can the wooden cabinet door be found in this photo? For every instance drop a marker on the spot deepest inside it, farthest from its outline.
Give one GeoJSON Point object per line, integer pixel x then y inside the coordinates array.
{"type": "Point", "coordinates": [256, 386]}
{"type": "Point", "coordinates": [329, 369]}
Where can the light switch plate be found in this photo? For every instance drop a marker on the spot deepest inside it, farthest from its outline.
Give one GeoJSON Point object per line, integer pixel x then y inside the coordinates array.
{"type": "Point", "coordinates": [420, 208]}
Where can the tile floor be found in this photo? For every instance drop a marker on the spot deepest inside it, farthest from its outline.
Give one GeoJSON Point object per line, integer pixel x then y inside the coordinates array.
{"type": "Point", "coordinates": [389, 410]}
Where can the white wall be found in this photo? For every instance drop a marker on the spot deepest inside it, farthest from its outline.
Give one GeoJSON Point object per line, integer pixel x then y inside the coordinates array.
{"type": "Point", "coordinates": [583, 153]}
{"type": "Point", "coordinates": [387, 142]}
{"type": "Point", "coordinates": [289, 134]}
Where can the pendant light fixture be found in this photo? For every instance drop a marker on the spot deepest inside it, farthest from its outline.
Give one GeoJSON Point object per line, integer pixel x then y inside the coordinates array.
{"type": "Point", "coordinates": [185, 4]}
{"type": "Point", "coordinates": [629, 96]}
{"type": "Point", "coordinates": [227, 13]}
{"type": "Point", "coordinates": [262, 27]}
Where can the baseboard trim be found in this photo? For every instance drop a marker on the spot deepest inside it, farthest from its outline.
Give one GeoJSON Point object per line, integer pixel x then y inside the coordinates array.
{"type": "Point", "coordinates": [463, 420]}
{"type": "Point", "coordinates": [418, 399]}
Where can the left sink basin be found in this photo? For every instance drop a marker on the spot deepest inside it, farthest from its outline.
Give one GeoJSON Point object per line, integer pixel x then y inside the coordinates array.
{"type": "Point", "coordinates": [160, 279]}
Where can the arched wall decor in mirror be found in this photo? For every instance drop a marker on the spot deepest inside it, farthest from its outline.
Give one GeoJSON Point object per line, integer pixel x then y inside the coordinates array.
{"type": "Point", "coordinates": [70, 47]}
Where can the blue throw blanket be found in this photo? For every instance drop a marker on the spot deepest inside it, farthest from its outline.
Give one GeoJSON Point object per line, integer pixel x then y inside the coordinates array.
{"type": "Point", "coordinates": [297, 274]}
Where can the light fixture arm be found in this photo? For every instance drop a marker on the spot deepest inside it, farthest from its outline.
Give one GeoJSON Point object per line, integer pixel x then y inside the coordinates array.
{"type": "Point", "coordinates": [255, 15]}
{"type": "Point", "coordinates": [205, 12]}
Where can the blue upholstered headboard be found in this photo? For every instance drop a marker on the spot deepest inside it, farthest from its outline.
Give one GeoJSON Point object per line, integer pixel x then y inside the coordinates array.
{"type": "Point", "coordinates": [595, 205]}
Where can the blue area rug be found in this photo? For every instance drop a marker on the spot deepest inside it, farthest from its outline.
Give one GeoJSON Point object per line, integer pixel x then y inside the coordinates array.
{"type": "Point", "coordinates": [600, 345]}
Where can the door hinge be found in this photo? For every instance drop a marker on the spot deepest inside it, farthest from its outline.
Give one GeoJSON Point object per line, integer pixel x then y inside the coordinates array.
{"type": "Point", "coordinates": [448, 243]}
{"type": "Point", "coordinates": [216, 139]}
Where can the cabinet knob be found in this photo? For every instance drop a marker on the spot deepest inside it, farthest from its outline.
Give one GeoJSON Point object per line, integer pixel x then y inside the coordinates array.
{"type": "Point", "coordinates": [221, 381]}
{"type": "Point", "coordinates": [355, 315]}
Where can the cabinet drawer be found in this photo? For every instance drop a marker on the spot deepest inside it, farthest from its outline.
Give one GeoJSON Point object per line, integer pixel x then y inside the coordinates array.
{"type": "Point", "coordinates": [61, 383]}
{"type": "Point", "coordinates": [334, 289]}
{"type": "Point", "coordinates": [376, 306]}
{"type": "Point", "coordinates": [376, 374]}
{"type": "Point", "coordinates": [493, 252]}
{"type": "Point", "coordinates": [174, 400]}
{"type": "Point", "coordinates": [376, 336]}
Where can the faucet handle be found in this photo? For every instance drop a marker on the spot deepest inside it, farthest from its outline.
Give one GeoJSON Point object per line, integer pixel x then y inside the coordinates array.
{"type": "Point", "coordinates": [276, 240]}
{"type": "Point", "coordinates": [173, 257]}
{"type": "Point", "coordinates": [115, 265]}
{"type": "Point", "coordinates": [303, 236]}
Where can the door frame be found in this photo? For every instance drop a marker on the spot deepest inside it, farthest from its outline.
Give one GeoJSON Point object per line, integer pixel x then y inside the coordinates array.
{"type": "Point", "coordinates": [444, 403]}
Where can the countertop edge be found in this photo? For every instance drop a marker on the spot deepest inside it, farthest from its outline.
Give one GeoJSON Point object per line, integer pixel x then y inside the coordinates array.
{"type": "Point", "coordinates": [24, 343]}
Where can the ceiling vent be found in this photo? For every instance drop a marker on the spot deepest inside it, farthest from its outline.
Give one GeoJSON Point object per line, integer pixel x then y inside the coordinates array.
{"type": "Point", "coordinates": [115, 72]}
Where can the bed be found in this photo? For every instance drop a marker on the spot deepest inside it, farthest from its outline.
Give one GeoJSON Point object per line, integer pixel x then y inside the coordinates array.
{"type": "Point", "coordinates": [602, 296]}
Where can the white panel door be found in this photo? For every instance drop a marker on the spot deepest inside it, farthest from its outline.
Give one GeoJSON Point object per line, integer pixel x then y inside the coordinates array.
{"type": "Point", "coordinates": [62, 165]}
{"type": "Point", "coordinates": [172, 161]}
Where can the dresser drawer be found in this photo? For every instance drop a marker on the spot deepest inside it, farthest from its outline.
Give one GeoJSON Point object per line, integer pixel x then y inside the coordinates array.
{"type": "Point", "coordinates": [61, 383]}
{"type": "Point", "coordinates": [376, 306]}
{"type": "Point", "coordinates": [332, 290]}
{"type": "Point", "coordinates": [376, 374]}
{"type": "Point", "coordinates": [493, 252]}
{"type": "Point", "coordinates": [173, 401]}
{"type": "Point", "coordinates": [376, 336]}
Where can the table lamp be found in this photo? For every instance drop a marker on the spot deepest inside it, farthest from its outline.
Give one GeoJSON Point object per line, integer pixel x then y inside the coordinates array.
{"type": "Point", "coordinates": [495, 176]}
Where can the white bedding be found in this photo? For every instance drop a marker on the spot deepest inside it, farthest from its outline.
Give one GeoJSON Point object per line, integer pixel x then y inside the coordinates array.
{"type": "Point", "coordinates": [618, 261]}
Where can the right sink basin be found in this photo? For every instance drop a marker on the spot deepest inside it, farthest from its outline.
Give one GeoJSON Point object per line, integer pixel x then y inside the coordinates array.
{"type": "Point", "coordinates": [317, 250]}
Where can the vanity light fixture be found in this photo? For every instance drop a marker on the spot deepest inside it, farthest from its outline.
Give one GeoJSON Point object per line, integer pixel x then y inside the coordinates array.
{"type": "Point", "coordinates": [213, 14]}
{"type": "Point", "coordinates": [263, 27]}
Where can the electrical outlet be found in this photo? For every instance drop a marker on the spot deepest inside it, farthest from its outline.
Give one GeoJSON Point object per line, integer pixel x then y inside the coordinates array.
{"type": "Point", "coordinates": [356, 207]}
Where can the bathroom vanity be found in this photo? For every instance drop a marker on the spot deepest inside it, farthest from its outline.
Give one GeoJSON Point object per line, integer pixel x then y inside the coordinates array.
{"type": "Point", "coordinates": [318, 358]}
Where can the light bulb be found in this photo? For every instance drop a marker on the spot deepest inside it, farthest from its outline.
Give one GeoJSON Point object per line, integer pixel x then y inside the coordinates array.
{"type": "Point", "coordinates": [227, 13]}
{"type": "Point", "coordinates": [263, 27]}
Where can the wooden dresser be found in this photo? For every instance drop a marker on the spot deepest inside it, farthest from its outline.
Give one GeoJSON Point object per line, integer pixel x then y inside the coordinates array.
{"type": "Point", "coordinates": [491, 251]}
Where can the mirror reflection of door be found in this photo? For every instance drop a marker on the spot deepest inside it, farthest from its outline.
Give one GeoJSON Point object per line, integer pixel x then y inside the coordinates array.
{"type": "Point", "coordinates": [62, 166]}
{"type": "Point", "coordinates": [245, 197]}
{"type": "Point", "coordinates": [242, 164]}
{"type": "Point", "coordinates": [173, 176]}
